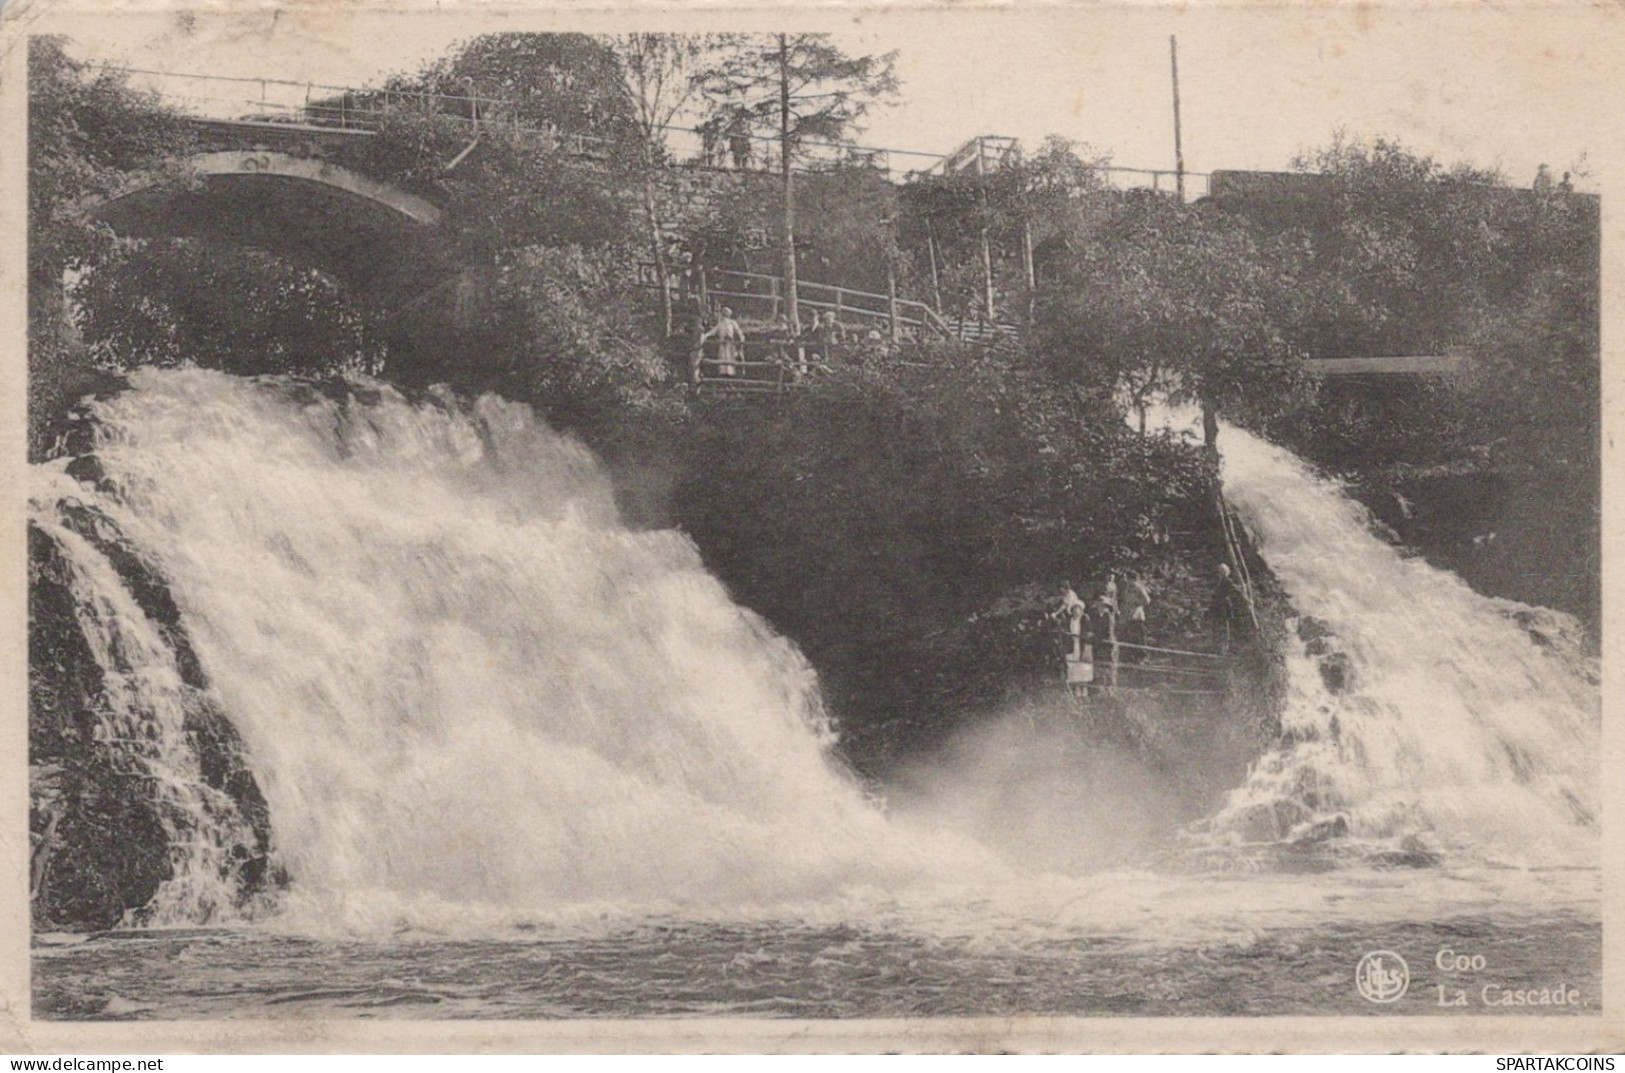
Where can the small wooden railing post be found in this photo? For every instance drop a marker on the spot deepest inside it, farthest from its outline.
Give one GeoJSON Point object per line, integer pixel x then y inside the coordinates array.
{"type": "Point", "coordinates": [1111, 671]}
{"type": "Point", "coordinates": [891, 300]}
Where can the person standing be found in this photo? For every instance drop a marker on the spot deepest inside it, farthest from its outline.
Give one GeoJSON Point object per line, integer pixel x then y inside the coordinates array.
{"type": "Point", "coordinates": [1073, 612]}
{"type": "Point", "coordinates": [831, 335]}
{"type": "Point", "coordinates": [1103, 635]}
{"type": "Point", "coordinates": [730, 339]}
{"type": "Point", "coordinates": [738, 135]}
{"type": "Point", "coordinates": [1227, 609]}
{"type": "Point", "coordinates": [710, 141]}
{"type": "Point", "coordinates": [781, 339]}
{"type": "Point", "coordinates": [1136, 598]}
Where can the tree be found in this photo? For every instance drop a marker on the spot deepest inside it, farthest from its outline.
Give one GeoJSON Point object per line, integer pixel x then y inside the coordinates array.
{"type": "Point", "coordinates": [569, 83]}
{"type": "Point", "coordinates": [517, 177]}
{"type": "Point", "coordinates": [569, 340]}
{"type": "Point", "coordinates": [845, 227]}
{"type": "Point", "coordinates": [86, 132]}
{"type": "Point", "coordinates": [1056, 193]}
{"type": "Point", "coordinates": [1395, 252]}
{"type": "Point", "coordinates": [659, 76]}
{"type": "Point", "coordinates": [805, 89]}
{"type": "Point", "coordinates": [1172, 301]}
{"type": "Point", "coordinates": [1406, 245]}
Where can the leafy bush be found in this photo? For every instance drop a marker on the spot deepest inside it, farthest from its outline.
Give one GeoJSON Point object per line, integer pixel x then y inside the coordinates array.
{"type": "Point", "coordinates": [86, 132]}
{"type": "Point", "coordinates": [911, 532]}
{"type": "Point", "coordinates": [1176, 302]}
{"type": "Point", "coordinates": [570, 337]}
{"type": "Point", "coordinates": [173, 302]}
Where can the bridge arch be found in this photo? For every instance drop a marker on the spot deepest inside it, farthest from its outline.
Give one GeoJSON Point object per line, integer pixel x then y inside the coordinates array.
{"type": "Point", "coordinates": [364, 231]}
{"type": "Point", "coordinates": [264, 164]}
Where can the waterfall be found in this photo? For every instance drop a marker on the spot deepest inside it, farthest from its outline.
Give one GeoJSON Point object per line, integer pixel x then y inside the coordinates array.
{"type": "Point", "coordinates": [464, 690]}
{"type": "Point", "coordinates": [459, 679]}
{"type": "Point", "coordinates": [159, 756]}
{"type": "Point", "coordinates": [1453, 721]}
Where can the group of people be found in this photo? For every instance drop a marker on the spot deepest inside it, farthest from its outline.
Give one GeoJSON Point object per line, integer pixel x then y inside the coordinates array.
{"type": "Point", "coordinates": [727, 134]}
{"type": "Point", "coordinates": [797, 351]}
{"type": "Point", "coordinates": [1117, 614]}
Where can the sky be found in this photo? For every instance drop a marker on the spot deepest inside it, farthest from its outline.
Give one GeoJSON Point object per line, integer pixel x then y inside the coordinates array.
{"type": "Point", "coordinates": [1507, 87]}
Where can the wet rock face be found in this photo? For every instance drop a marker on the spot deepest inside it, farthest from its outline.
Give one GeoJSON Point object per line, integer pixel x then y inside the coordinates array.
{"type": "Point", "coordinates": [98, 846]}
{"type": "Point", "coordinates": [100, 837]}
{"type": "Point", "coordinates": [1335, 667]}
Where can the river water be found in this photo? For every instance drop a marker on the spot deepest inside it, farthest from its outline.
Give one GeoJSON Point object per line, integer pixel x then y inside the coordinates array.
{"type": "Point", "coordinates": [522, 761]}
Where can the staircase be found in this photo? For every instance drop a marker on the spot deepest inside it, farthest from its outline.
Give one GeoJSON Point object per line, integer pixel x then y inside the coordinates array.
{"type": "Point", "coordinates": [992, 334]}
{"type": "Point", "coordinates": [773, 361]}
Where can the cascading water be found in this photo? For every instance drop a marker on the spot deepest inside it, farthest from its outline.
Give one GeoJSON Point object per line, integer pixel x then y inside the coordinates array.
{"type": "Point", "coordinates": [153, 716]}
{"type": "Point", "coordinates": [459, 679]}
{"type": "Point", "coordinates": [470, 694]}
{"type": "Point", "coordinates": [520, 761]}
{"type": "Point", "coordinates": [1452, 726]}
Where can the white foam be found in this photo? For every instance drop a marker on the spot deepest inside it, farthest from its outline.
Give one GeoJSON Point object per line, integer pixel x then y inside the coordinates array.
{"type": "Point", "coordinates": [1455, 725]}
{"type": "Point", "coordinates": [461, 680]}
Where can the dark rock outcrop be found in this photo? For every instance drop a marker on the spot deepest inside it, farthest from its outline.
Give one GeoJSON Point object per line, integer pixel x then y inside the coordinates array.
{"type": "Point", "coordinates": [101, 836]}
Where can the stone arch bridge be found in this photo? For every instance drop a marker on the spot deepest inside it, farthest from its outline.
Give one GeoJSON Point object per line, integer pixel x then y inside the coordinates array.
{"type": "Point", "coordinates": [304, 192]}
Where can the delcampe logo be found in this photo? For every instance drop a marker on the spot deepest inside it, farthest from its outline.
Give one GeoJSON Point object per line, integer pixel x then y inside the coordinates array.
{"type": "Point", "coordinates": [1382, 976]}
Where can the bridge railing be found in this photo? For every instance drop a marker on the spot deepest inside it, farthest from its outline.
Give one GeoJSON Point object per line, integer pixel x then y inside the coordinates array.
{"type": "Point", "coordinates": [278, 100]}
{"type": "Point", "coordinates": [286, 101]}
{"type": "Point", "coordinates": [777, 363]}
{"type": "Point", "coordinates": [762, 296]}
{"type": "Point", "coordinates": [756, 365]}
{"type": "Point", "coordinates": [1122, 666]}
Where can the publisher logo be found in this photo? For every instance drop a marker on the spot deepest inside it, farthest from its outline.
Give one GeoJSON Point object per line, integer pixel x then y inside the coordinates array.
{"type": "Point", "coordinates": [1382, 976]}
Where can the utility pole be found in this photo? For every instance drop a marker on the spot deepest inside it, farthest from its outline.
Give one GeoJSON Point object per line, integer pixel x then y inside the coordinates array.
{"type": "Point", "coordinates": [792, 307]}
{"type": "Point", "coordinates": [936, 279]}
{"type": "Point", "coordinates": [1210, 412]}
{"type": "Point", "coordinates": [1028, 267]}
{"type": "Point", "coordinates": [1179, 150]}
{"type": "Point", "coordinates": [987, 247]}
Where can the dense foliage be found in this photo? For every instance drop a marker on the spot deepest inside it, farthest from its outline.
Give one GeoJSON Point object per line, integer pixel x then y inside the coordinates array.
{"type": "Point", "coordinates": [911, 533]}
{"type": "Point", "coordinates": [1166, 301]}
{"type": "Point", "coordinates": [845, 233]}
{"type": "Point", "coordinates": [571, 337]}
{"type": "Point", "coordinates": [909, 527]}
{"type": "Point", "coordinates": [566, 82]}
{"type": "Point", "coordinates": [1050, 199]}
{"type": "Point", "coordinates": [510, 191]}
{"type": "Point", "coordinates": [87, 133]}
{"type": "Point", "coordinates": [1398, 255]}
{"type": "Point", "coordinates": [164, 302]}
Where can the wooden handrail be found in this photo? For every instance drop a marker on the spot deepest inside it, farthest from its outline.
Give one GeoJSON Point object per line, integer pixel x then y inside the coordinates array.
{"type": "Point", "coordinates": [1232, 538]}
{"type": "Point", "coordinates": [927, 315]}
{"type": "Point", "coordinates": [741, 363]}
{"type": "Point", "coordinates": [1172, 651]}
{"type": "Point", "coordinates": [1177, 672]}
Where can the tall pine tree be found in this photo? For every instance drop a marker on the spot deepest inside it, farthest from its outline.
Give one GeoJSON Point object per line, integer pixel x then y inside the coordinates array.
{"type": "Point", "coordinates": [804, 90]}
